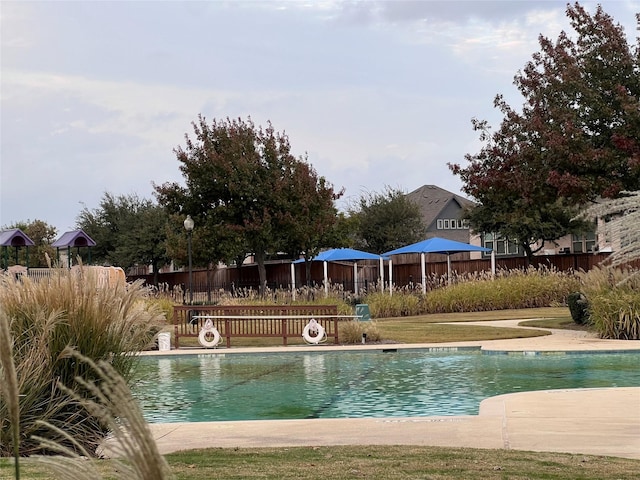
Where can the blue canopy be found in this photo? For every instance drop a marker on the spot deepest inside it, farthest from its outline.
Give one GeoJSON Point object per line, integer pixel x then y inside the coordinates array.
{"type": "Point", "coordinates": [342, 255]}
{"type": "Point", "coordinates": [437, 245]}
{"type": "Point", "coordinates": [338, 255]}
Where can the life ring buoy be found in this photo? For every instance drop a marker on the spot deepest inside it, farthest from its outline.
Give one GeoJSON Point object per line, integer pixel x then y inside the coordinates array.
{"type": "Point", "coordinates": [209, 329]}
{"type": "Point", "coordinates": [314, 327]}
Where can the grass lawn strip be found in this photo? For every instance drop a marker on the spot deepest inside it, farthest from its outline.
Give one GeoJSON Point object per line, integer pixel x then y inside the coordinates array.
{"type": "Point", "coordinates": [384, 462]}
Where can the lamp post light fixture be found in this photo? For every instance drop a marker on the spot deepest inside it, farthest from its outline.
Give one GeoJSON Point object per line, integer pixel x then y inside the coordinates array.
{"type": "Point", "coordinates": [188, 226]}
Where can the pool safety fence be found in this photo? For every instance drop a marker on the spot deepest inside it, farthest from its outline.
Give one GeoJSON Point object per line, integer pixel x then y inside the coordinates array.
{"type": "Point", "coordinates": [246, 321]}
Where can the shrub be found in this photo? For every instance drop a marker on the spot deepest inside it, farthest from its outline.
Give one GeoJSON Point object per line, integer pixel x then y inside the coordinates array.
{"type": "Point", "coordinates": [579, 308]}
{"type": "Point", "coordinates": [164, 305]}
{"type": "Point", "coordinates": [48, 316]}
{"type": "Point", "coordinates": [351, 332]}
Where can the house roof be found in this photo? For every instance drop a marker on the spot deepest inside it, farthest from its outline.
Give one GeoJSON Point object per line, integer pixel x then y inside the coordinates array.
{"type": "Point", "coordinates": [76, 238]}
{"type": "Point", "coordinates": [432, 199]}
{"type": "Point", "coordinates": [15, 238]}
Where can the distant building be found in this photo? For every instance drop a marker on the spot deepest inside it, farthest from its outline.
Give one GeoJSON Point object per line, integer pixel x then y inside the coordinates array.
{"type": "Point", "coordinates": [442, 212]}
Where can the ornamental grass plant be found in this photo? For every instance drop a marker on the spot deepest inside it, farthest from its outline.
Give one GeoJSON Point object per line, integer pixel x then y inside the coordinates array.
{"type": "Point", "coordinates": [45, 318]}
{"type": "Point", "coordinates": [510, 289]}
{"type": "Point", "coordinates": [132, 446]}
{"type": "Point", "coordinates": [613, 299]}
{"type": "Point", "coordinates": [352, 332]}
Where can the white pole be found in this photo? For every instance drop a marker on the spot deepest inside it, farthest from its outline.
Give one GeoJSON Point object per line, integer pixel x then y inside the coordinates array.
{"type": "Point", "coordinates": [381, 274]}
{"type": "Point", "coordinates": [493, 264]}
{"type": "Point", "coordinates": [355, 278]}
{"type": "Point", "coordinates": [390, 277]}
{"type": "Point", "coordinates": [326, 279]}
{"type": "Point", "coordinates": [424, 273]}
{"type": "Point", "coordinates": [293, 282]}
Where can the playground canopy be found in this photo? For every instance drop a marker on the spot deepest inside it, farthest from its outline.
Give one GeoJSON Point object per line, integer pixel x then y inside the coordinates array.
{"type": "Point", "coordinates": [77, 239]}
{"type": "Point", "coordinates": [338, 255]}
{"type": "Point", "coordinates": [14, 238]}
{"type": "Point", "coordinates": [435, 245]}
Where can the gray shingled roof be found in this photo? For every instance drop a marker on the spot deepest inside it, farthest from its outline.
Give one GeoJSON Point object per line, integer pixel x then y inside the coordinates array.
{"type": "Point", "coordinates": [432, 200]}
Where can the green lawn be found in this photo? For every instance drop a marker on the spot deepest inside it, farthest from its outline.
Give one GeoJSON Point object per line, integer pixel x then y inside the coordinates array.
{"type": "Point", "coordinates": [375, 462]}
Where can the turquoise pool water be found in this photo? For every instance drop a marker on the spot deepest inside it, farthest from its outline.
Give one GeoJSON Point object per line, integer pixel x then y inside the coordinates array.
{"type": "Point", "coordinates": [212, 387]}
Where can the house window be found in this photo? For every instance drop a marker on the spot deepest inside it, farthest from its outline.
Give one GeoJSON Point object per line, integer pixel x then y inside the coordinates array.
{"type": "Point", "coordinates": [500, 244]}
{"type": "Point", "coordinates": [488, 240]}
{"type": "Point", "coordinates": [452, 224]}
{"type": "Point", "coordinates": [584, 243]}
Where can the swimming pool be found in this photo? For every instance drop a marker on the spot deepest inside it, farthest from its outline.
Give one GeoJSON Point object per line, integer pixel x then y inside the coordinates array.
{"type": "Point", "coordinates": [403, 383]}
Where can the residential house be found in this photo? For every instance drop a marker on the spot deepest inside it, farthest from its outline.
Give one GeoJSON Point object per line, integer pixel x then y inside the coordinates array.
{"type": "Point", "coordinates": [442, 214]}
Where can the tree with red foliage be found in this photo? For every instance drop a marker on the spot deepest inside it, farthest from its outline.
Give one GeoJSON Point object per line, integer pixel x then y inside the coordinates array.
{"type": "Point", "coordinates": [576, 138]}
{"type": "Point", "coordinates": [248, 194]}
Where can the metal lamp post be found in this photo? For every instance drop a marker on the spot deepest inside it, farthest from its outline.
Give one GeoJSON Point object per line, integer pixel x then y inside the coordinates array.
{"type": "Point", "coordinates": [188, 226]}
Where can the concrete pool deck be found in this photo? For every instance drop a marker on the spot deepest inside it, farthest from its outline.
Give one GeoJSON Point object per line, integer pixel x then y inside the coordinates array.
{"type": "Point", "coordinates": [602, 421]}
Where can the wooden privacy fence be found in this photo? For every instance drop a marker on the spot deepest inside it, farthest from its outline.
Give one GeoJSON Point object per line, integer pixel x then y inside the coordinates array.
{"type": "Point", "coordinates": [209, 285]}
{"type": "Point", "coordinates": [284, 321]}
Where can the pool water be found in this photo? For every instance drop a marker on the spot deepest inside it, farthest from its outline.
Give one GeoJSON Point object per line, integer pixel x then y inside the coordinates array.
{"type": "Point", "coordinates": [213, 387]}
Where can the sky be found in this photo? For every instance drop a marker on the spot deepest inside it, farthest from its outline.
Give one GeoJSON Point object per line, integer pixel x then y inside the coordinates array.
{"type": "Point", "coordinates": [96, 95]}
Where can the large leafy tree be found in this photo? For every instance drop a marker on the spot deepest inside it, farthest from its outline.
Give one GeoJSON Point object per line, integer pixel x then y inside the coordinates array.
{"type": "Point", "coordinates": [128, 231]}
{"type": "Point", "coordinates": [310, 218]}
{"type": "Point", "coordinates": [576, 138]}
{"type": "Point", "coordinates": [248, 194]}
{"type": "Point", "coordinates": [386, 220]}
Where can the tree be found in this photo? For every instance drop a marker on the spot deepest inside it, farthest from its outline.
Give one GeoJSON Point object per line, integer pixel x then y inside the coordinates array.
{"type": "Point", "coordinates": [128, 231]}
{"type": "Point", "coordinates": [248, 193]}
{"type": "Point", "coordinates": [43, 235]}
{"type": "Point", "coordinates": [386, 221]}
{"type": "Point", "coordinates": [142, 241]}
{"type": "Point", "coordinates": [310, 215]}
{"type": "Point", "coordinates": [575, 139]}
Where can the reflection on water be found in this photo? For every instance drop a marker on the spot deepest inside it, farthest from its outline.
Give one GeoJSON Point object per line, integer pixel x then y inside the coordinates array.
{"type": "Point", "coordinates": [359, 384]}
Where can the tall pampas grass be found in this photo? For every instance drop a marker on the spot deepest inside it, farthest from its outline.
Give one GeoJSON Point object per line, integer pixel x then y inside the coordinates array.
{"type": "Point", "coordinates": [109, 400]}
{"type": "Point", "coordinates": [613, 299]}
{"type": "Point", "coordinates": [9, 391]}
{"type": "Point", "coordinates": [68, 309]}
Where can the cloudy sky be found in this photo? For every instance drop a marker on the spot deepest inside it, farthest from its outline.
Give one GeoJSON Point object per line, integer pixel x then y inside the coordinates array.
{"type": "Point", "coordinates": [96, 95]}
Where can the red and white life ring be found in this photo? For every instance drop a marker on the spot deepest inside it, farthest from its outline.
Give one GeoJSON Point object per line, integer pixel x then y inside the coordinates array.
{"type": "Point", "coordinates": [207, 330]}
{"type": "Point", "coordinates": [313, 327]}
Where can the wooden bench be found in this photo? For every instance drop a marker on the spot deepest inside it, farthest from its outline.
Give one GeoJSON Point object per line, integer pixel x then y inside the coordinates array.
{"type": "Point", "coordinates": [255, 321]}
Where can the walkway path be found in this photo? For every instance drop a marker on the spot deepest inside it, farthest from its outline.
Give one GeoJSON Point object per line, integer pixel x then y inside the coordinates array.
{"type": "Point", "coordinates": [585, 421]}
